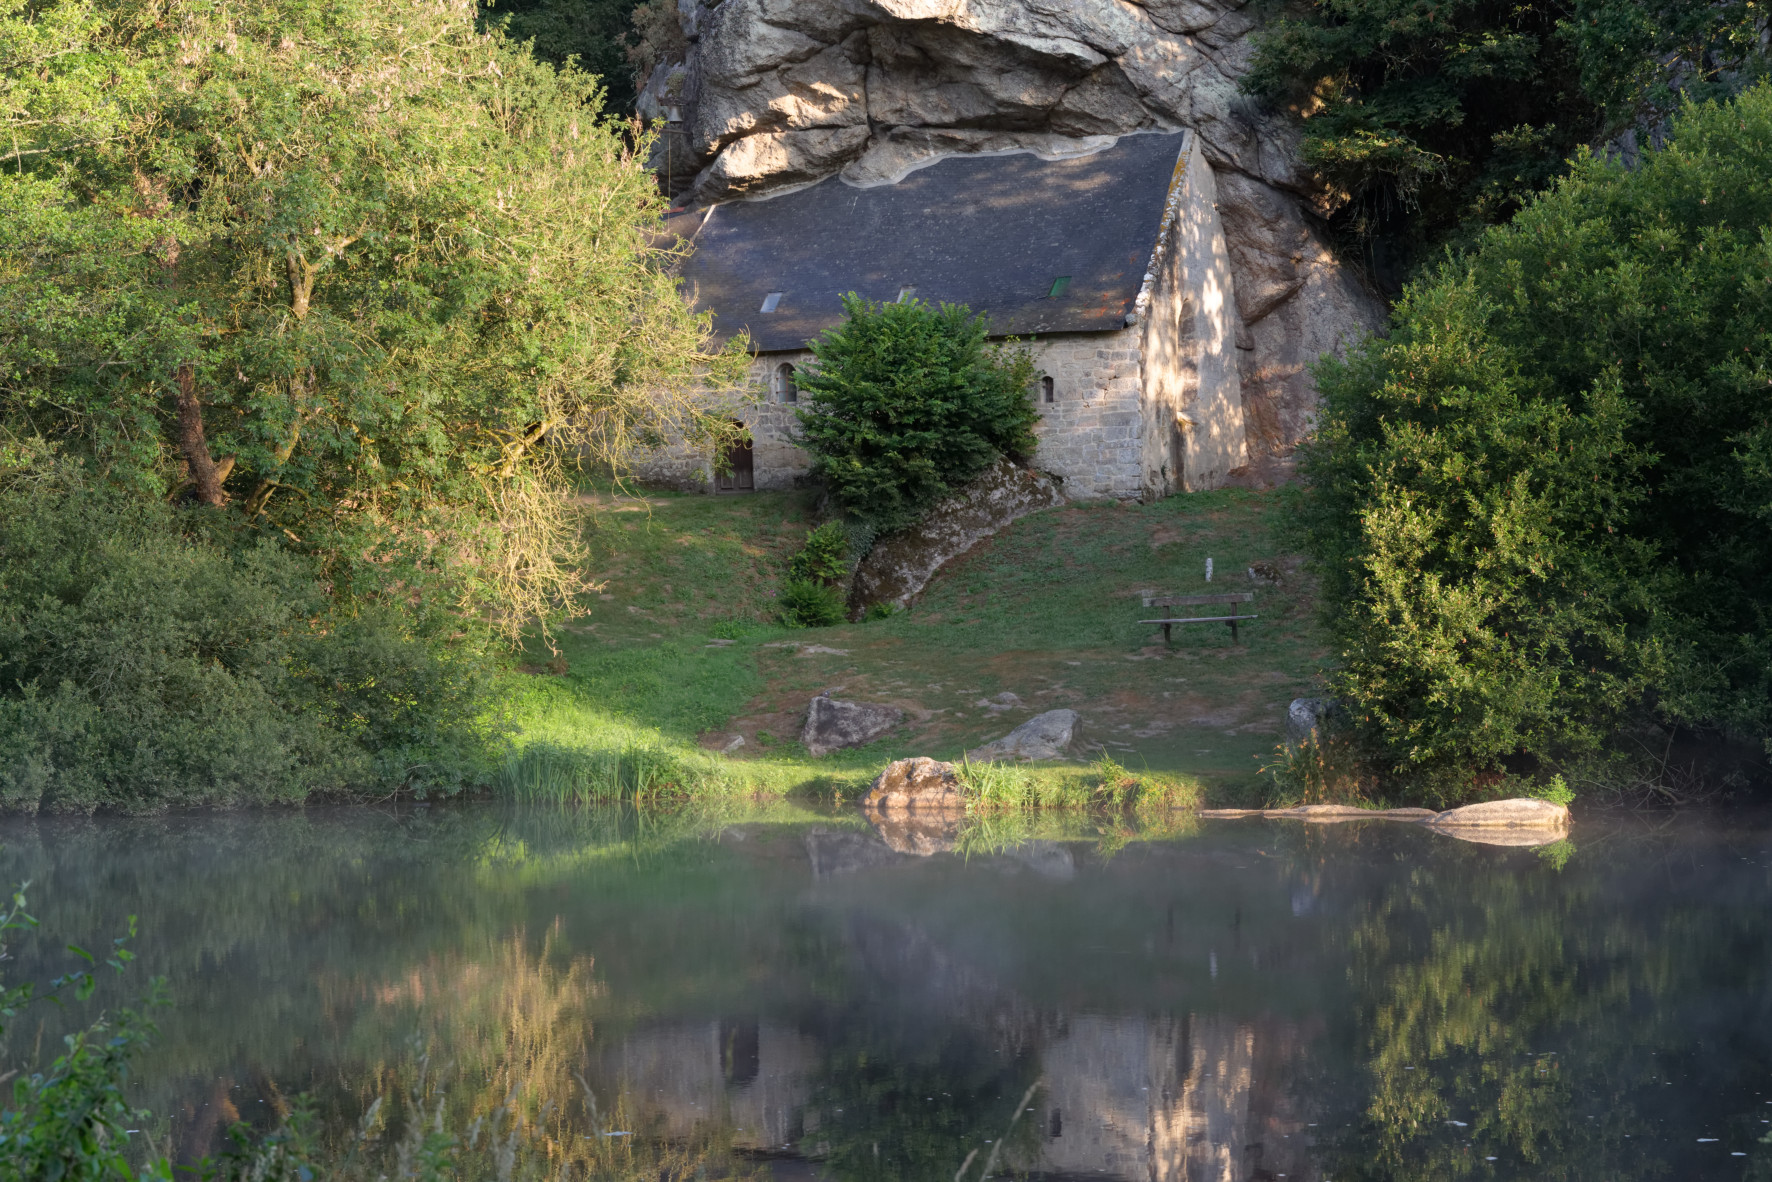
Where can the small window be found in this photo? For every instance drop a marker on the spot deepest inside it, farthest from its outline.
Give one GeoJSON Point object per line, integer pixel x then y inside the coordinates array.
{"type": "Point", "coordinates": [906, 294]}
{"type": "Point", "coordinates": [1059, 286]}
{"type": "Point", "coordinates": [771, 301]}
{"type": "Point", "coordinates": [1046, 390]}
{"type": "Point", "coordinates": [785, 390]}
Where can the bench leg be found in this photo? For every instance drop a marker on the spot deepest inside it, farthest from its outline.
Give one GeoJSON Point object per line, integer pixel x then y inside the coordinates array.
{"type": "Point", "coordinates": [1166, 636]}
{"type": "Point", "coordinates": [1233, 625]}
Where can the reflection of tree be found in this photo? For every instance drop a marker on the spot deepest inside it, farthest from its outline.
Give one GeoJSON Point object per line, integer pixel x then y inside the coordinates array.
{"type": "Point", "coordinates": [1540, 1009]}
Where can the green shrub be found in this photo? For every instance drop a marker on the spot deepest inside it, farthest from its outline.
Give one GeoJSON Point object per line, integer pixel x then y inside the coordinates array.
{"type": "Point", "coordinates": [907, 401]}
{"type": "Point", "coordinates": [143, 665]}
{"type": "Point", "coordinates": [1544, 501]}
{"type": "Point", "coordinates": [808, 603]}
{"type": "Point", "coordinates": [824, 557]}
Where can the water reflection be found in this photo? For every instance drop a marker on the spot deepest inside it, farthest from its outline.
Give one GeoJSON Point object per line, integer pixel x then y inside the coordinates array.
{"type": "Point", "coordinates": [804, 996]}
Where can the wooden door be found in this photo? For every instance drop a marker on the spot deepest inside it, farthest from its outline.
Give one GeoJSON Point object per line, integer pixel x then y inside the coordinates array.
{"type": "Point", "coordinates": [739, 471]}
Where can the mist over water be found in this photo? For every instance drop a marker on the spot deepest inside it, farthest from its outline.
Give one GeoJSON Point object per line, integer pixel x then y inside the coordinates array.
{"type": "Point", "coordinates": [784, 994]}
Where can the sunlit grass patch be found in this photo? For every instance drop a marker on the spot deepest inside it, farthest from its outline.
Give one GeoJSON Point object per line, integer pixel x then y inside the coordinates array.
{"type": "Point", "coordinates": [1006, 787]}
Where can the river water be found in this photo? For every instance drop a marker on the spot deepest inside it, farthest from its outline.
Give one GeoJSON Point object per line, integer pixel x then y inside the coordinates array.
{"type": "Point", "coordinates": [786, 995]}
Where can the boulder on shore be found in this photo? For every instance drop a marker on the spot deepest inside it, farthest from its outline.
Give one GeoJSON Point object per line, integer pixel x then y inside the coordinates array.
{"type": "Point", "coordinates": [915, 785]}
{"type": "Point", "coordinates": [832, 724]}
{"type": "Point", "coordinates": [1044, 736]}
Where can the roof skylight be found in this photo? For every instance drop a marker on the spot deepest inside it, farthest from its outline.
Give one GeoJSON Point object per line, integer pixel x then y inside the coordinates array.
{"type": "Point", "coordinates": [1059, 287]}
{"type": "Point", "coordinates": [771, 301]}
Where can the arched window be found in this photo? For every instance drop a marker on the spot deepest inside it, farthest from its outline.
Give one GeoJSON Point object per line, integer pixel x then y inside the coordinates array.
{"type": "Point", "coordinates": [1046, 390]}
{"type": "Point", "coordinates": [785, 390]}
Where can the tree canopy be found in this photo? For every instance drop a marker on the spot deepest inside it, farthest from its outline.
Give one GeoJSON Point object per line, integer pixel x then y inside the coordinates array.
{"type": "Point", "coordinates": [1428, 121]}
{"type": "Point", "coordinates": [359, 273]}
{"type": "Point", "coordinates": [1542, 505]}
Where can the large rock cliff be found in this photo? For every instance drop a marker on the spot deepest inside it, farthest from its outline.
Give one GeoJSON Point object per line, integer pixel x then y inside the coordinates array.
{"type": "Point", "coordinates": [777, 93]}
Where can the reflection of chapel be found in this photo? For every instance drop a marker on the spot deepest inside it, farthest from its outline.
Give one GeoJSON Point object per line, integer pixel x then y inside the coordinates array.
{"type": "Point", "coordinates": [1111, 266]}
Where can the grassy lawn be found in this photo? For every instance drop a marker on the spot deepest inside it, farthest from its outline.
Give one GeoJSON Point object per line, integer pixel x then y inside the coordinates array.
{"type": "Point", "coordinates": [680, 655]}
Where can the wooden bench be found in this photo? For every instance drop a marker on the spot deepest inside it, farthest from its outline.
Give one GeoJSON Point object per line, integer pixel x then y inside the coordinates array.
{"type": "Point", "coordinates": [1171, 602]}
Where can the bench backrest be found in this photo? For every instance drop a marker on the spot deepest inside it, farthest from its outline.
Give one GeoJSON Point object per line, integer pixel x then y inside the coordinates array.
{"type": "Point", "coordinates": [1156, 599]}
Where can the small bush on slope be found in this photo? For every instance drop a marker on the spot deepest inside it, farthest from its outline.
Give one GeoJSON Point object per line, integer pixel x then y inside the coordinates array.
{"type": "Point", "coordinates": [824, 557]}
{"type": "Point", "coordinates": [908, 401]}
{"type": "Point", "coordinates": [1545, 500]}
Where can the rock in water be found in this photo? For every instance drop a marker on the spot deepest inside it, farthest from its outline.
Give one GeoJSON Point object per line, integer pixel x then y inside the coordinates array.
{"type": "Point", "coordinates": [899, 567]}
{"type": "Point", "coordinates": [915, 785]}
{"type": "Point", "coordinates": [831, 724]}
{"type": "Point", "coordinates": [1044, 736]}
{"type": "Point", "coordinates": [1521, 813]}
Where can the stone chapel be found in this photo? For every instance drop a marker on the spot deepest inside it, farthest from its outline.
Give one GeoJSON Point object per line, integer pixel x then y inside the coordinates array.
{"type": "Point", "coordinates": [1110, 265]}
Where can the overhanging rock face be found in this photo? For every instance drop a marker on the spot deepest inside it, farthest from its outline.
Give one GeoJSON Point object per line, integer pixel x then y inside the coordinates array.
{"type": "Point", "coordinates": [778, 93]}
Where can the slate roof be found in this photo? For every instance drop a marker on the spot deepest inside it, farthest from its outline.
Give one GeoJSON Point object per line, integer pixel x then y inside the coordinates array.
{"type": "Point", "coordinates": [991, 232]}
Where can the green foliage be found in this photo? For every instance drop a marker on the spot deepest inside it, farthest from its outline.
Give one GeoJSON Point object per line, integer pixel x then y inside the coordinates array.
{"type": "Point", "coordinates": [144, 664]}
{"type": "Point", "coordinates": [907, 401]}
{"type": "Point", "coordinates": [824, 557]}
{"type": "Point", "coordinates": [357, 274]}
{"type": "Point", "coordinates": [1429, 122]}
{"type": "Point", "coordinates": [809, 603]}
{"type": "Point", "coordinates": [594, 32]}
{"type": "Point", "coordinates": [1543, 500]}
{"type": "Point", "coordinates": [1556, 790]}
{"type": "Point", "coordinates": [71, 1121]}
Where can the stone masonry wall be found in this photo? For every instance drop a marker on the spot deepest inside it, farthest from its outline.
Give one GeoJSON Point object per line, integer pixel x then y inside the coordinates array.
{"type": "Point", "coordinates": [1090, 434]}
{"type": "Point", "coordinates": [776, 462]}
{"type": "Point", "coordinates": [779, 463]}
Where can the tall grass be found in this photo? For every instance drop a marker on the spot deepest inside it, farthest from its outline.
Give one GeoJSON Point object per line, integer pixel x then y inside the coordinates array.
{"type": "Point", "coordinates": [1320, 769]}
{"type": "Point", "coordinates": [1002, 787]}
{"type": "Point", "coordinates": [637, 773]}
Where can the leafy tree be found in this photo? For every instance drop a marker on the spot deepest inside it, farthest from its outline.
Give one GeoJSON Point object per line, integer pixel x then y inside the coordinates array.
{"type": "Point", "coordinates": [907, 401]}
{"type": "Point", "coordinates": [1544, 501]}
{"type": "Point", "coordinates": [1428, 121]}
{"type": "Point", "coordinates": [358, 274]}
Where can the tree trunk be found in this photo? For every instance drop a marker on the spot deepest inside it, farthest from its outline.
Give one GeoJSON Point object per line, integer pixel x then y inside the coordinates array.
{"type": "Point", "coordinates": [204, 471]}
